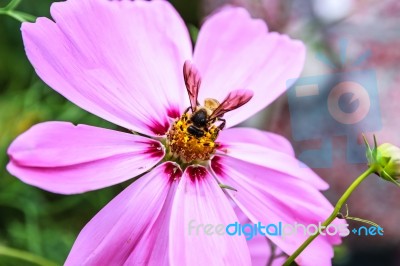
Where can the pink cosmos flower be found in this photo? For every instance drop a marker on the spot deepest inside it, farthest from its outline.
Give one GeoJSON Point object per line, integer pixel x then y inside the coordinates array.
{"type": "Point", "coordinates": [122, 61]}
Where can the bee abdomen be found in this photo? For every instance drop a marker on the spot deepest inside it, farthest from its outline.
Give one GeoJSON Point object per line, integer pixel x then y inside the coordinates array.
{"type": "Point", "coordinates": [195, 131]}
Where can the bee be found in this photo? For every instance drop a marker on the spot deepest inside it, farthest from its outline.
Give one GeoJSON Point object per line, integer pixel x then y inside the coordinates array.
{"type": "Point", "coordinates": [202, 117]}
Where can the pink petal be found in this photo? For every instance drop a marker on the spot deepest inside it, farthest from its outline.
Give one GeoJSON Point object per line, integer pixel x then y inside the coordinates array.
{"type": "Point", "coordinates": [124, 227]}
{"type": "Point", "coordinates": [268, 150]}
{"type": "Point", "coordinates": [234, 51]}
{"type": "Point", "coordinates": [268, 196]}
{"type": "Point", "coordinates": [115, 59]}
{"type": "Point", "coordinates": [63, 158]}
{"type": "Point", "coordinates": [259, 246]}
{"type": "Point", "coordinates": [257, 137]}
{"type": "Point", "coordinates": [199, 200]}
{"type": "Point", "coordinates": [260, 252]}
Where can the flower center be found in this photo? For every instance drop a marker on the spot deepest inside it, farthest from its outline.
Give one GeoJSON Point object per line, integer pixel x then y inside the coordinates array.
{"type": "Point", "coordinates": [189, 142]}
{"type": "Point", "coordinates": [191, 138]}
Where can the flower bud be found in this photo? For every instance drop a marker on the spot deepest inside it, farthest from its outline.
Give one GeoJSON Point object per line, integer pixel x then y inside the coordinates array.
{"type": "Point", "coordinates": [388, 161]}
{"type": "Point", "coordinates": [384, 160]}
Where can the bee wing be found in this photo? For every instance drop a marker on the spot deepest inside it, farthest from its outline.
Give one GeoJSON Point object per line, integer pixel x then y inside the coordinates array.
{"type": "Point", "coordinates": [234, 100]}
{"type": "Point", "coordinates": [192, 82]}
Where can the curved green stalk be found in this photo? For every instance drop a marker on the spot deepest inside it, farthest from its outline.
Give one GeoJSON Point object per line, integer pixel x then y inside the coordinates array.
{"type": "Point", "coordinates": [9, 10]}
{"type": "Point", "coordinates": [334, 214]}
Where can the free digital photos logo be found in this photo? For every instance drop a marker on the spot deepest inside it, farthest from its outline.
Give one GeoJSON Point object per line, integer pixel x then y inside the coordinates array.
{"type": "Point", "coordinates": [279, 229]}
{"type": "Point", "coordinates": [337, 104]}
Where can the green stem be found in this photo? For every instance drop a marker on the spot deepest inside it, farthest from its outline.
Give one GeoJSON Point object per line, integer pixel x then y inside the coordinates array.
{"type": "Point", "coordinates": [12, 5]}
{"type": "Point", "coordinates": [334, 214]}
{"type": "Point", "coordinates": [18, 15]}
{"type": "Point", "coordinates": [9, 10]}
{"type": "Point", "coordinates": [26, 256]}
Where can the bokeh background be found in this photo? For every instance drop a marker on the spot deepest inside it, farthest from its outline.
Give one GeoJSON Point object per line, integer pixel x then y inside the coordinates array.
{"type": "Point", "coordinates": [42, 226]}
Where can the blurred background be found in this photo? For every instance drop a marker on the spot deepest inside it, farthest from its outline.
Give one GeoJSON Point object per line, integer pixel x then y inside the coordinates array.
{"type": "Point", "coordinates": [347, 40]}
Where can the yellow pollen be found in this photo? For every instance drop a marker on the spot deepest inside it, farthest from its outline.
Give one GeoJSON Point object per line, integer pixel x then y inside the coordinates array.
{"type": "Point", "coordinates": [186, 146]}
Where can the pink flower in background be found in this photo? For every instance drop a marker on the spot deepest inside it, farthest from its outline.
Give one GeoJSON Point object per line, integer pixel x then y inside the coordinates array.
{"type": "Point", "coordinates": [122, 61]}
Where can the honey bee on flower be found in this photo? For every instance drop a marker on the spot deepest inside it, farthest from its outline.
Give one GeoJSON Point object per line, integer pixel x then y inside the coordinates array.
{"type": "Point", "coordinates": [192, 136]}
{"type": "Point", "coordinates": [123, 61]}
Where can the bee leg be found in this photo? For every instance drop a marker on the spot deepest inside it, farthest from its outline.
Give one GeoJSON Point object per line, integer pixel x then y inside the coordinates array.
{"type": "Point", "coordinates": [220, 127]}
{"type": "Point", "coordinates": [187, 110]}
